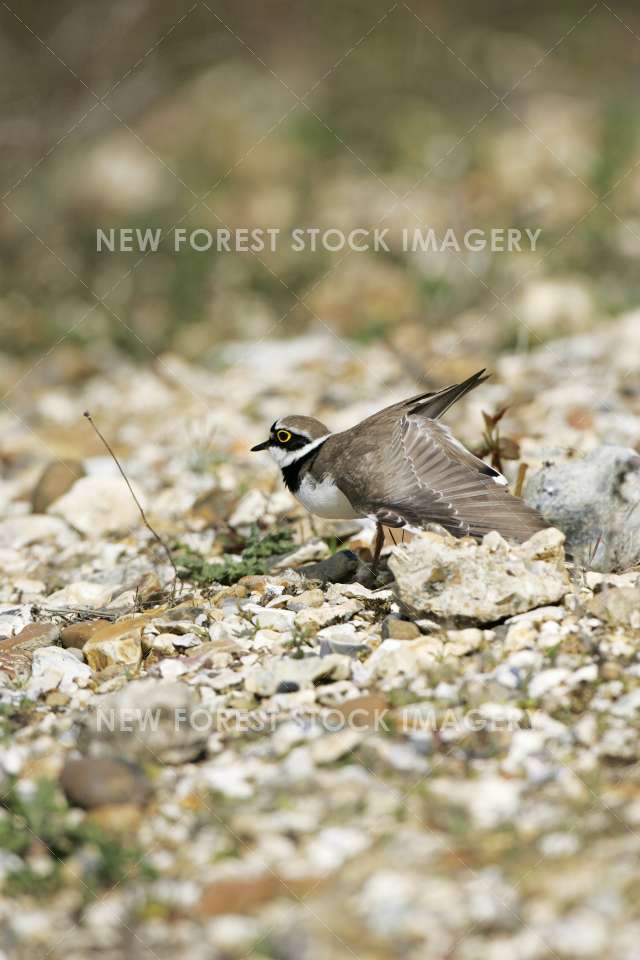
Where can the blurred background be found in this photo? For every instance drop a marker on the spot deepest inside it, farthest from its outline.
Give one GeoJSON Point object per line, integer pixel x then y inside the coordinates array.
{"type": "Point", "coordinates": [350, 114]}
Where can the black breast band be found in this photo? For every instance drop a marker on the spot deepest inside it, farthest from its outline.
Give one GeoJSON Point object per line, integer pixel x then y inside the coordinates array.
{"type": "Point", "coordinates": [291, 473]}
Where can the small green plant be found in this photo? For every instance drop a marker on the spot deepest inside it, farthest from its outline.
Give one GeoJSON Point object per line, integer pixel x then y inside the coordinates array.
{"type": "Point", "coordinates": [253, 560]}
{"type": "Point", "coordinates": [42, 821]}
{"type": "Point", "coordinates": [13, 716]}
{"type": "Point", "coordinates": [301, 640]}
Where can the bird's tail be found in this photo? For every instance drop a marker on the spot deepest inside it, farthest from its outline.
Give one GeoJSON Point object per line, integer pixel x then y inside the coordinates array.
{"type": "Point", "coordinates": [433, 405]}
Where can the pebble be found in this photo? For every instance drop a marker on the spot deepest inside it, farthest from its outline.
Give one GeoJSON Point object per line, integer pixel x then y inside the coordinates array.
{"type": "Point", "coordinates": [96, 506]}
{"type": "Point", "coordinates": [116, 644]}
{"type": "Point", "coordinates": [81, 593]}
{"type": "Point", "coordinates": [54, 668]}
{"type": "Point", "coordinates": [266, 680]}
{"type": "Point", "coordinates": [306, 599]}
{"type": "Point", "coordinates": [339, 568]}
{"type": "Point", "coordinates": [154, 721]}
{"type": "Point", "coordinates": [56, 478]}
{"type": "Point", "coordinates": [90, 782]}
{"type": "Point", "coordinates": [396, 629]}
{"type": "Point", "coordinates": [312, 550]}
{"type": "Point", "coordinates": [327, 614]}
{"type": "Point", "coordinates": [618, 606]}
{"type": "Point", "coordinates": [334, 746]}
{"type": "Point", "coordinates": [77, 634]}
{"type": "Point", "coordinates": [547, 680]}
{"type": "Point", "coordinates": [21, 532]}
{"type": "Point", "coordinates": [16, 653]}
{"type": "Point", "coordinates": [282, 620]}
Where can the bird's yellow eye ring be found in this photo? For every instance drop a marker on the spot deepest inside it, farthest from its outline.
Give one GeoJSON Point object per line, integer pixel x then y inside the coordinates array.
{"type": "Point", "coordinates": [283, 436]}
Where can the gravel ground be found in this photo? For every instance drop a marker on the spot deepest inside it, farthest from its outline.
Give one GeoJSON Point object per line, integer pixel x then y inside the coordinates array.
{"type": "Point", "coordinates": [251, 762]}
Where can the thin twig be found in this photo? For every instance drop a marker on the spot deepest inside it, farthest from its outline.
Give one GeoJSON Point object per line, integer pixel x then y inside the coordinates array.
{"type": "Point", "coordinates": [135, 500]}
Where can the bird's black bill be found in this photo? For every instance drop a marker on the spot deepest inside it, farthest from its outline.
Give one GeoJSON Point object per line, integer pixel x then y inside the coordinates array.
{"type": "Point", "coordinates": [260, 446]}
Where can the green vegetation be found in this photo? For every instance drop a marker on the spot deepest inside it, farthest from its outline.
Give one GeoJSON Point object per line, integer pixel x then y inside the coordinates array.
{"type": "Point", "coordinates": [14, 716]}
{"type": "Point", "coordinates": [43, 831]}
{"type": "Point", "coordinates": [253, 561]}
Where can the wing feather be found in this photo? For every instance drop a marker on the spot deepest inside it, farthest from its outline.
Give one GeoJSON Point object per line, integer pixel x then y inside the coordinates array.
{"type": "Point", "coordinates": [444, 483]}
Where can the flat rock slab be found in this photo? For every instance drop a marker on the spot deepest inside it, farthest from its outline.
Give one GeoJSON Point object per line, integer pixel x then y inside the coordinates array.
{"type": "Point", "coordinates": [463, 582]}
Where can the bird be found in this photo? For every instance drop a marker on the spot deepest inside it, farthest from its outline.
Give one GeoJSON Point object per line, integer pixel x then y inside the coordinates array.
{"type": "Point", "coordinates": [400, 467]}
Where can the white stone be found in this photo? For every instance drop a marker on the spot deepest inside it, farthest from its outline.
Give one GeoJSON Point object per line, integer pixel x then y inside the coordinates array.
{"type": "Point", "coordinates": [547, 680]}
{"type": "Point", "coordinates": [99, 505]}
{"type": "Point", "coordinates": [257, 505]}
{"type": "Point", "coordinates": [264, 680]}
{"type": "Point", "coordinates": [309, 552]}
{"type": "Point", "coordinates": [270, 619]}
{"type": "Point", "coordinates": [54, 668]}
{"type": "Point", "coordinates": [82, 594]}
{"type": "Point", "coordinates": [20, 532]}
{"type": "Point", "coordinates": [334, 845]}
{"type": "Point", "coordinates": [185, 640]}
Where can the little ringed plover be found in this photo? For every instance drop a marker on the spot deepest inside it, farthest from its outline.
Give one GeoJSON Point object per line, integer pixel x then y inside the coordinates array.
{"type": "Point", "coordinates": [400, 467]}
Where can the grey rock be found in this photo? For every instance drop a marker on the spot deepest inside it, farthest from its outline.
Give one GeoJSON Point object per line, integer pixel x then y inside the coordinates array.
{"type": "Point", "coordinates": [155, 721]}
{"type": "Point", "coordinates": [373, 579]}
{"type": "Point", "coordinates": [344, 647]}
{"type": "Point", "coordinates": [461, 582]}
{"type": "Point", "coordinates": [96, 781]}
{"type": "Point", "coordinates": [595, 501]}
{"type": "Point", "coordinates": [340, 568]}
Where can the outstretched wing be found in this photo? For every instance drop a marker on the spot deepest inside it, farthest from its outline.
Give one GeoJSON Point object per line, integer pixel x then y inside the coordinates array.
{"type": "Point", "coordinates": [436, 480]}
{"type": "Point", "coordinates": [432, 404]}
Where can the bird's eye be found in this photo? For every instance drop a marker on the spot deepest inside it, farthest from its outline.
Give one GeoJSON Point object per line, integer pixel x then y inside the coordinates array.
{"type": "Point", "coordinates": [283, 436]}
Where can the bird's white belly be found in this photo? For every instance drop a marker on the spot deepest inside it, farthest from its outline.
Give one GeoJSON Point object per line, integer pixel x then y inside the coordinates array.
{"type": "Point", "coordinates": [325, 499]}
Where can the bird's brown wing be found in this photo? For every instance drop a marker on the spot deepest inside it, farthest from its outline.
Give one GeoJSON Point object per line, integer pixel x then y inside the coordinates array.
{"type": "Point", "coordinates": [433, 479]}
{"type": "Point", "coordinates": [431, 404]}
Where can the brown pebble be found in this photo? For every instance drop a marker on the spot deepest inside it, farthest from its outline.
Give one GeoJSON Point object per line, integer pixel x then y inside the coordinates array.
{"type": "Point", "coordinates": [394, 629]}
{"type": "Point", "coordinates": [31, 637]}
{"type": "Point", "coordinates": [361, 713]}
{"type": "Point", "coordinates": [254, 584]}
{"type": "Point", "coordinates": [90, 782]}
{"type": "Point", "coordinates": [56, 699]}
{"type": "Point", "coordinates": [77, 634]}
{"type": "Point", "coordinates": [610, 670]}
{"type": "Point", "coordinates": [243, 894]}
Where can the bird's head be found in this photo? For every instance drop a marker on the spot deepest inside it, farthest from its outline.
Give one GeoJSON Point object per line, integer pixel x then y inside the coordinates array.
{"type": "Point", "coordinates": [292, 437]}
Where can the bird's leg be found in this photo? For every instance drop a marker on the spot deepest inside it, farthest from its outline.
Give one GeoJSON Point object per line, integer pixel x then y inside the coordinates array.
{"type": "Point", "coordinates": [377, 547]}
